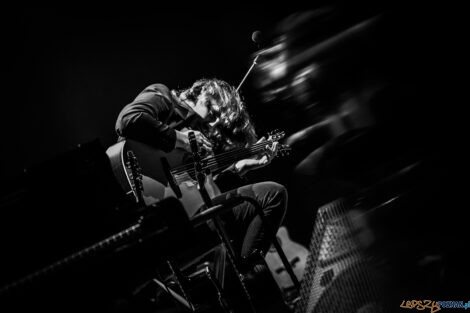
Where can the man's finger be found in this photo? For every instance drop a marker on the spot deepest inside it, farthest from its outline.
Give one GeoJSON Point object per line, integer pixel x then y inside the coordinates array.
{"type": "Point", "coordinates": [204, 140]}
{"type": "Point", "coordinates": [263, 160]}
{"type": "Point", "coordinates": [269, 149]}
{"type": "Point", "coordinates": [261, 139]}
{"type": "Point", "coordinates": [275, 147]}
{"type": "Point", "coordinates": [207, 147]}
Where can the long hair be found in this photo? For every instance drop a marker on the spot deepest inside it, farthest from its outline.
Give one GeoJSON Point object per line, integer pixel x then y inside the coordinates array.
{"type": "Point", "coordinates": [234, 127]}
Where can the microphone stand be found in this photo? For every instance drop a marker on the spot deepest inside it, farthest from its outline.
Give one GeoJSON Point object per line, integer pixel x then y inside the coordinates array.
{"type": "Point", "coordinates": [249, 70]}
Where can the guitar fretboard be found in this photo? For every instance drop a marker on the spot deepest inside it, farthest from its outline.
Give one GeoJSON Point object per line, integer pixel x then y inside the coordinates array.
{"type": "Point", "coordinates": [221, 161]}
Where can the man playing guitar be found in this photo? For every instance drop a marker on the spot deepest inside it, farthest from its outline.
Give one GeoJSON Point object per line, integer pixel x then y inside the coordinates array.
{"type": "Point", "coordinates": [214, 111]}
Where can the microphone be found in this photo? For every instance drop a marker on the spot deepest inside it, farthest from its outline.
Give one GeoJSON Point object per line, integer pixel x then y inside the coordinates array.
{"type": "Point", "coordinates": [257, 38]}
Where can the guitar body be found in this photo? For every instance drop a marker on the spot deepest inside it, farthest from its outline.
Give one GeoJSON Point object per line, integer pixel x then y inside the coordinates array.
{"type": "Point", "coordinates": [154, 171]}
{"type": "Point", "coordinates": [296, 255]}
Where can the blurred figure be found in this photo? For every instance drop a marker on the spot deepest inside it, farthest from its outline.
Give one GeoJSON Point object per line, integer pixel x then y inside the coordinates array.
{"type": "Point", "coordinates": [311, 74]}
{"type": "Point", "coordinates": [362, 105]}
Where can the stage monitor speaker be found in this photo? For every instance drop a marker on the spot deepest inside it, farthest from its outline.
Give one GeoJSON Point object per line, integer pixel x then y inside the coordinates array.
{"type": "Point", "coordinates": [338, 276]}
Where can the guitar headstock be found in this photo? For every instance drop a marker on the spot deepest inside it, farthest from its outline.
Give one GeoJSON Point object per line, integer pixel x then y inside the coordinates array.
{"type": "Point", "coordinates": [276, 135]}
{"type": "Point", "coordinates": [135, 175]}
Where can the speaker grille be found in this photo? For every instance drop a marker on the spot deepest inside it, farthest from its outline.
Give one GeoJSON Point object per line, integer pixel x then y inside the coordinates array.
{"type": "Point", "coordinates": [338, 275]}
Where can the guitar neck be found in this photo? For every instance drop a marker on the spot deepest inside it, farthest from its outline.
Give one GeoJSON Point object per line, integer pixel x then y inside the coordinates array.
{"type": "Point", "coordinates": [221, 161]}
{"type": "Point", "coordinates": [217, 163]}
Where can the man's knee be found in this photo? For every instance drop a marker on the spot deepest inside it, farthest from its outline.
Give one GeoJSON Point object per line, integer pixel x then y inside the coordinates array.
{"type": "Point", "coordinates": [277, 195]}
{"type": "Point", "coordinates": [280, 191]}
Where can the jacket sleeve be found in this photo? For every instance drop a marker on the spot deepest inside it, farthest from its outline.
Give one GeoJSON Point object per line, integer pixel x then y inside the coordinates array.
{"type": "Point", "coordinates": [144, 120]}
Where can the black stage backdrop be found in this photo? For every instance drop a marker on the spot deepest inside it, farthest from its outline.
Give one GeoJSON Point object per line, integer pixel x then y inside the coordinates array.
{"type": "Point", "coordinates": [68, 71]}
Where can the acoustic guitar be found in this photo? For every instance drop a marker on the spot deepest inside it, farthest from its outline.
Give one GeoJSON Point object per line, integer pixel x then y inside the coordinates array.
{"type": "Point", "coordinates": [172, 174]}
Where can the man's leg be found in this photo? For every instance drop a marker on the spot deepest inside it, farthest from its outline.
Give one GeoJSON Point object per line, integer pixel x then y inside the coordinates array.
{"type": "Point", "coordinates": [245, 226]}
{"type": "Point", "coordinates": [252, 240]}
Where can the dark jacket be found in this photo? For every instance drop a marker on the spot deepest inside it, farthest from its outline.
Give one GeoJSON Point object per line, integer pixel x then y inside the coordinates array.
{"type": "Point", "coordinates": [153, 117]}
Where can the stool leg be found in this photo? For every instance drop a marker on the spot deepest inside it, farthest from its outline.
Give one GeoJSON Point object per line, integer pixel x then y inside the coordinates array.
{"type": "Point", "coordinates": [184, 299]}
{"type": "Point", "coordinates": [232, 259]}
{"type": "Point", "coordinates": [220, 293]}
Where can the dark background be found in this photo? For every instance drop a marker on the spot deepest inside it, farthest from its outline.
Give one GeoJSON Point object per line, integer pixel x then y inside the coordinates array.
{"type": "Point", "coordinates": [68, 71]}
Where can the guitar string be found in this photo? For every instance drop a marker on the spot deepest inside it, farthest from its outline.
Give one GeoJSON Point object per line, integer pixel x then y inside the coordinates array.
{"type": "Point", "coordinates": [219, 163]}
{"type": "Point", "coordinates": [229, 154]}
{"type": "Point", "coordinates": [225, 159]}
{"type": "Point", "coordinates": [223, 155]}
{"type": "Point", "coordinates": [243, 152]}
{"type": "Point", "coordinates": [210, 163]}
{"type": "Point", "coordinates": [191, 171]}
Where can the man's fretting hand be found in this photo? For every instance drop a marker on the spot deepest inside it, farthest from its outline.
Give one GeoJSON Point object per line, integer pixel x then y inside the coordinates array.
{"type": "Point", "coordinates": [246, 165]}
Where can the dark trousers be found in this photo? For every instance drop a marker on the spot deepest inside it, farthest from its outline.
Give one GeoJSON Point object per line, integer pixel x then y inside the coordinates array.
{"type": "Point", "coordinates": [244, 226]}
